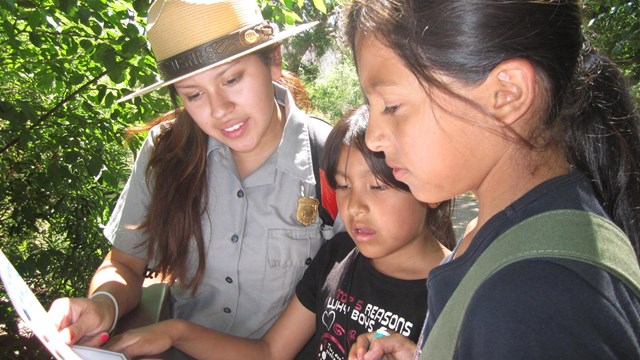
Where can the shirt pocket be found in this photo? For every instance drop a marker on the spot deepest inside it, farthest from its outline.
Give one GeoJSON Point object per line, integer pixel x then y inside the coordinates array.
{"type": "Point", "coordinates": [289, 252]}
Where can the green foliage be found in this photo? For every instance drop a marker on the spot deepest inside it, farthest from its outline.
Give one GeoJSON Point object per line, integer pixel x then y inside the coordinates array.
{"type": "Point", "coordinates": [317, 40]}
{"type": "Point", "coordinates": [62, 159]}
{"type": "Point", "coordinates": [614, 27]}
{"type": "Point", "coordinates": [341, 85]}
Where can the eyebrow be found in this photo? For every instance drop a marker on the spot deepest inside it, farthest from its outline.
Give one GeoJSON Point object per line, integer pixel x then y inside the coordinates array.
{"type": "Point", "coordinates": [377, 84]}
{"type": "Point", "coordinates": [344, 174]}
{"type": "Point", "coordinates": [228, 65]}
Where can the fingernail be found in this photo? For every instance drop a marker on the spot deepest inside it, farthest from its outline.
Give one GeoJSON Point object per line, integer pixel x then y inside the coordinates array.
{"type": "Point", "coordinates": [104, 338]}
{"type": "Point", "coordinates": [71, 337]}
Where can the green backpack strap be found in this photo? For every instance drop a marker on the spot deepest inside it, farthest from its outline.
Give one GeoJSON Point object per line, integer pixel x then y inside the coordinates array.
{"type": "Point", "coordinates": [568, 234]}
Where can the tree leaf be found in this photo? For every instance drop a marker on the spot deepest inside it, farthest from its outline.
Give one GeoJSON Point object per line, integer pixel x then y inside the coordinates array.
{"type": "Point", "coordinates": [102, 91]}
{"type": "Point", "coordinates": [94, 166]}
{"type": "Point", "coordinates": [77, 79]}
{"type": "Point", "coordinates": [35, 39]}
{"type": "Point", "coordinates": [9, 5]}
{"type": "Point", "coordinates": [68, 5]}
{"type": "Point", "coordinates": [320, 5]}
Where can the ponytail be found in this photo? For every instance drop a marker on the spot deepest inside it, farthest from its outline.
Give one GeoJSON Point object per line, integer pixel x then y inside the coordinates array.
{"type": "Point", "coordinates": [441, 225]}
{"type": "Point", "coordinates": [602, 138]}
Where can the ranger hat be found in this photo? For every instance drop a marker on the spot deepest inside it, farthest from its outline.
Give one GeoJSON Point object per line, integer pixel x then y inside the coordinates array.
{"type": "Point", "coordinates": [190, 36]}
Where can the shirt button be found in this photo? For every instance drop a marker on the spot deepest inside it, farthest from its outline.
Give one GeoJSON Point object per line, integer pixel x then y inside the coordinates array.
{"type": "Point", "coordinates": [308, 261]}
{"type": "Point", "coordinates": [227, 310]}
{"type": "Point", "coordinates": [228, 279]}
{"type": "Point", "coordinates": [240, 193]}
{"type": "Point", "coordinates": [234, 238]}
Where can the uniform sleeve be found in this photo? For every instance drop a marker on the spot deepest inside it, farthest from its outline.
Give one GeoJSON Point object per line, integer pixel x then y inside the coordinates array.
{"type": "Point", "coordinates": [131, 208]}
{"type": "Point", "coordinates": [542, 309]}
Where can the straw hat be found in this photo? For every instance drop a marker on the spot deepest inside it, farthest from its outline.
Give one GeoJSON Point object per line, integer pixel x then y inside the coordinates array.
{"type": "Point", "coordinates": [190, 36]}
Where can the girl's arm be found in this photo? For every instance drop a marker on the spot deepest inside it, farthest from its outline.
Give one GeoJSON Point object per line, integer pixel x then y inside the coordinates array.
{"type": "Point", "coordinates": [284, 340]}
{"type": "Point", "coordinates": [87, 321]}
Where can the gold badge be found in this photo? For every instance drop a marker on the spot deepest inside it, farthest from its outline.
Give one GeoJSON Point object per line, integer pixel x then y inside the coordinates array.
{"type": "Point", "coordinates": [307, 210]}
{"type": "Point", "coordinates": [251, 36]}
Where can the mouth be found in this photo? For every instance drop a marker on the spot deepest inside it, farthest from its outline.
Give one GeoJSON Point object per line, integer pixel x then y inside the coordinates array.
{"type": "Point", "coordinates": [234, 127]}
{"type": "Point", "coordinates": [362, 233]}
{"type": "Point", "coordinates": [398, 172]}
{"type": "Point", "coordinates": [234, 130]}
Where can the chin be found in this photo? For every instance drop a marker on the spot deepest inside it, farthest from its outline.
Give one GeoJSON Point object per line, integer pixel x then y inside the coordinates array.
{"type": "Point", "coordinates": [243, 146]}
{"type": "Point", "coordinates": [425, 195]}
{"type": "Point", "coordinates": [370, 253]}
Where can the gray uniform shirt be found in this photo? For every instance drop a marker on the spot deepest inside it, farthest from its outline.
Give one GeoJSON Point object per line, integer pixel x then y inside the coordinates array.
{"type": "Point", "coordinates": [256, 250]}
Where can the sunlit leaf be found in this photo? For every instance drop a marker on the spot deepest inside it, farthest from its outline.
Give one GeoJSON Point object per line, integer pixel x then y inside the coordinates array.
{"type": "Point", "coordinates": [292, 17]}
{"type": "Point", "coordinates": [320, 5]}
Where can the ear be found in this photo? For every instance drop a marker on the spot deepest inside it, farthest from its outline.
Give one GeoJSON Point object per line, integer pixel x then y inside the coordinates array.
{"type": "Point", "coordinates": [275, 64]}
{"type": "Point", "coordinates": [513, 90]}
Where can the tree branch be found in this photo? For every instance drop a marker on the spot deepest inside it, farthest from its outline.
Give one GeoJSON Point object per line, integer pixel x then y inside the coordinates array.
{"type": "Point", "coordinates": [48, 114]}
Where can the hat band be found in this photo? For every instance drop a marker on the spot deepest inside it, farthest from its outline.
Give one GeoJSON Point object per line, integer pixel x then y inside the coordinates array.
{"type": "Point", "coordinates": [215, 51]}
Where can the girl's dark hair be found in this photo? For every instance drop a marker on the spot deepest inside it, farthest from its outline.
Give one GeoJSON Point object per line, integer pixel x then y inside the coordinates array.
{"type": "Point", "coordinates": [590, 113]}
{"type": "Point", "coordinates": [177, 175]}
{"type": "Point", "coordinates": [350, 131]}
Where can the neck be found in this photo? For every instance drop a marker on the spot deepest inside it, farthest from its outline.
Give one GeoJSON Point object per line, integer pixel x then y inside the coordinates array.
{"type": "Point", "coordinates": [510, 181]}
{"type": "Point", "coordinates": [414, 261]}
{"type": "Point", "coordinates": [249, 162]}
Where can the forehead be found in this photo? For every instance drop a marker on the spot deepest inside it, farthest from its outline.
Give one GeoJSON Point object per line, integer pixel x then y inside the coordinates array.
{"type": "Point", "coordinates": [352, 163]}
{"type": "Point", "coordinates": [247, 61]}
{"type": "Point", "coordinates": [378, 65]}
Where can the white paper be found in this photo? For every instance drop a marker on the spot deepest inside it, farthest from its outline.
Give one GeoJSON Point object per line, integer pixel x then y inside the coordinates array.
{"type": "Point", "coordinates": [35, 317]}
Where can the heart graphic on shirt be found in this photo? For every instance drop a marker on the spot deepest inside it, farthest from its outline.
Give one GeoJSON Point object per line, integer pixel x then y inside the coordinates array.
{"type": "Point", "coordinates": [328, 317]}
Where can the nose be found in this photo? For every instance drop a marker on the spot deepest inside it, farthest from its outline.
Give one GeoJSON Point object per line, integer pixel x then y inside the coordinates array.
{"type": "Point", "coordinates": [374, 136]}
{"type": "Point", "coordinates": [220, 104]}
{"type": "Point", "coordinates": [356, 206]}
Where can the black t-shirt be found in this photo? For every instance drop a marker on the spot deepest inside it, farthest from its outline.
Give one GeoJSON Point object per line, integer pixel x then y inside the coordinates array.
{"type": "Point", "coordinates": [543, 308]}
{"type": "Point", "coordinates": [350, 297]}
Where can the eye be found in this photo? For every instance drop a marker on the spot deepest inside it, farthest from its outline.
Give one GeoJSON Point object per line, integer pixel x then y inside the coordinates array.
{"type": "Point", "coordinates": [390, 109]}
{"type": "Point", "coordinates": [194, 96]}
{"type": "Point", "coordinates": [379, 187]}
{"type": "Point", "coordinates": [233, 80]}
{"type": "Point", "coordinates": [342, 187]}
